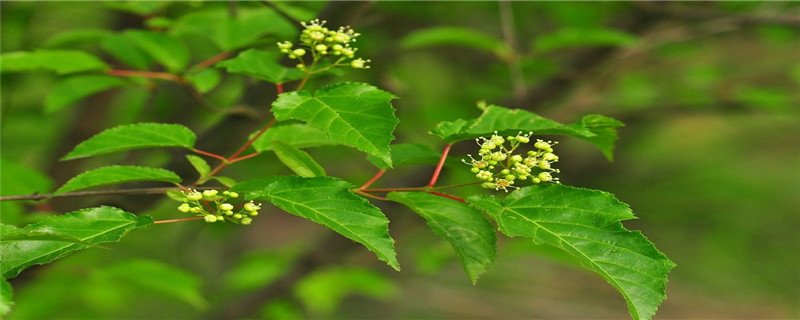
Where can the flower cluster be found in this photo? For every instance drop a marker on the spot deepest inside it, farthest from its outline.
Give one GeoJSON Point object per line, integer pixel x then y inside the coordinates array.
{"type": "Point", "coordinates": [322, 42]}
{"type": "Point", "coordinates": [499, 167]}
{"type": "Point", "coordinates": [213, 206]}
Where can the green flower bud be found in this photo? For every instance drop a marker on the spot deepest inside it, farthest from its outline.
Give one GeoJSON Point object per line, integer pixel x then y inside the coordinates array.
{"type": "Point", "coordinates": [194, 195]}
{"type": "Point", "coordinates": [237, 216]}
{"type": "Point", "coordinates": [298, 52]}
{"type": "Point", "coordinates": [254, 213]}
{"type": "Point", "coordinates": [246, 221]}
{"type": "Point", "coordinates": [250, 206]}
{"type": "Point", "coordinates": [184, 207]}
{"type": "Point", "coordinates": [545, 176]}
{"type": "Point", "coordinates": [550, 157]}
{"type": "Point", "coordinates": [226, 207]}
{"type": "Point", "coordinates": [516, 158]}
{"type": "Point", "coordinates": [210, 218]}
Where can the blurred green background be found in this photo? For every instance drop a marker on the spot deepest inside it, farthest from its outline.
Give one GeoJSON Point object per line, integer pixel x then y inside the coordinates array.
{"type": "Point", "coordinates": [709, 160]}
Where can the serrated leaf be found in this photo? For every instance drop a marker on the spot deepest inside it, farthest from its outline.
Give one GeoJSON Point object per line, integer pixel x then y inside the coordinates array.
{"type": "Point", "coordinates": [160, 278]}
{"type": "Point", "coordinates": [406, 154]}
{"type": "Point", "coordinates": [353, 114]}
{"type": "Point", "coordinates": [117, 174]}
{"type": "Point", "coordinates": [466, 229]}
{"type": "Point", "coordinates": [40, 236]}
{"type": "Point", "coordinates": [327, 201]}
{"type": "Point", "coordinates": [91, 225]}
{"type": "Point", "coordinates": [75, 88]}
{"type": "Point", "coordinates": [199, 164]}
{"type": "Point", "coordinates": [455, 36]}
{"type": "Point", "coordinates": [124, 50]}
{"type": "Point", "coordinates": [169, 52]}
{"type": "Point", "coordinates": [60, 61]}
{"type": "Point", "coordinates": [134, 136]}
{"type": "Point", "coordinates": [6, 298]}
{"type": "Point", "coordinates": [77, 37]}
{"type": "Point", "coordinates": [586, 223]}
{"type": "Point", "coordinates": [247, 28]}
{"type": "Point", "coordinates": [298, 160]}
{"type": "Point", "coordinates": [573, 37]}
{"type": "Point", "coordinates": [298, 135]}
{"type": "Point", "coordinates": [261, 65]}
{"type": "Point", "coordinates": [599, 130]}
{"type": "Point", "coordinates": [204, 80]}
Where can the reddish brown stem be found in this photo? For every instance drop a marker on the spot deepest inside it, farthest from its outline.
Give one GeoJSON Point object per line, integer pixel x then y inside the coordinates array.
{"type": "Point", "coordinates": [448, 196]}
{"type": "Point", "coordinates": [242, 149]}
{"type": "Point", "coordinates": [279, 87]}
{"type": "Point", "coordinates": [439, 165]}
{"type": "Point", "coordinates": [374, 178]}
{"type": "Point", "coordinates": [211, 61]}
{"type": "Point", "coordinates": [370, 195]}
{"type": "Point", "coordinates": [177, 220]}
{"type": "Point", "coordinates": [146, 74]}
{"type": "Point", "coordinates": [213, 155]}
{"type": "Point", "coordinates": [245, 157]}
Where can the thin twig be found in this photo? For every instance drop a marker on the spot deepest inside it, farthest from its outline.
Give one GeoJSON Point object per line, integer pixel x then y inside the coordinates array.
{"type": "Point", "coordinates": [448, 196]}
{"type": "Point", "coordinates": [211, 61]}
{"type": "Point", "coordinates": [371, 181]}
{"type": "Point", "coordinates": [510, 39]}
{"type": "Point", "coordinates": [213, 155]}
{"type": "Point", "coordinates": [439, 165]}
{"type": "Point", "coordinates": [145, 74]}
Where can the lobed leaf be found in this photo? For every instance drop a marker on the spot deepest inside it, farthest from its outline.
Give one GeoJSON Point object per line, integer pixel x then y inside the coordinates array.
{"type": "Point", "coordinates": [117, 174]}
{"type": "Point", "coordinates": [466, 229]}
{"type": "Point", "coordinates": [586, 224]}
{"type": "Point", "coordinates": [455, 36]}
{"type": "Point", "coordinates": [298, 135]}
{"type": "Point", "coordinates": [169, 52]}
{"type": "Point", "coordinates": [406, 154]}
{"type": "Point", "coordinates": [92, 226]}
{"type": "Point", "coordinates": [298, 160]}
{"type": "Point", "coordinates": [329, 202]}
{"type": "Point", "coordinates": [134, 136]}
{"type": "Point", "coordinates": [60, 61]}
{"type": "Point", "coordinates": [353, 114]}
{"type": "Point", "coordinates": [261, 65]}
{"type": "Point", "coordinates": [73, 89]}
{"type": "Point", "coordinates": [598, 130]}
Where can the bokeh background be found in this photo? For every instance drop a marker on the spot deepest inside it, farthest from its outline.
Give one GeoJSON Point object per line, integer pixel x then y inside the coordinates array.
{"type": "Point", "coordinates": [709, 160]}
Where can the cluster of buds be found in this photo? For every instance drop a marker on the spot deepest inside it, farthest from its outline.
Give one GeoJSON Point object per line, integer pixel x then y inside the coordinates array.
{"type": "Point", "coordinates": [499, 168]}
{"type": "Point", "coordinates": [322, 42]}
{"type": "Point", "coordinates": [213, 206]}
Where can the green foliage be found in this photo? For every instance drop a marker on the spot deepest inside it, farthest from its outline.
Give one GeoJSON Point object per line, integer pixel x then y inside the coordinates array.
{"type": "Point", "coordinates": [125, 50]}
{"type": "Point", "coordinates": [297, 135]}
{"type": "Point", "coordinates": [205, 80]}
{"type": "Point", "coordinates": [578, 37]}
{"type": "Point", "coordinates": [199, 164]}
{"type": "Point", "coordinates": [259, 269]}
{"type": "Point", "coordinates": [466, 229]}
{"type": "Point", "coordinates": [134, 136]}
{"type": "Point", "coordinates": [586, 224]}
{"type": "Point", "coordinates": [406, 154]}
{"type": "Point", "coordinates": [322, 291]}
{"type": "Point", "coordinates": [59, 61]}
{"type": "Point", "coordinates": [77, 37]}
{"type": "Point", "coordinates": [298, 160]}
{"type": "Point", "coordinates": [261, 65]}
{"type": "Point", "coordinates": [227, 33]}
{"type": "Point", "coordinates": [117, 174]}
{"type": "Point", "coordinates": [597, 129]}
{"type": "Point", "coordinates": [76, 88]}
{"type": "Point", "coordinates": [167, 51]}
{"type": "Point", "coordinates": [159, 278]}
{"type": "Point", "coordinates": [6, 297]}
{"type": "Point", "coordinates": [91, 226]}
{"type": "Point", "coordinates": [455, 36]}
{"type": "Point", "coordinates": [353, 114]}
{"type": "Point", "coordinates": [311, 198]}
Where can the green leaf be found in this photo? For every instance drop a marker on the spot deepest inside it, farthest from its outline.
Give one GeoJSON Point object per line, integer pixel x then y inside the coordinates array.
{"type": "Point", "coordinates": [73, 89]}
{"type": "Point", "coordinates": [124, 50]}
{"type": "Point", "coordinates": [20, 235]}
{"type": "Point", "coordinates": [167, 51]}
{"type": "Point", "coordinates": [407, 154]}
{"type": "Point", "coordinates": [353, 114]}
{"type": "Point", "coordinates": [249, 26]}
{"type": "Point", "coordinates": [142, 8]}
{"type": "Point", "coordinates": [599, 130]}
{"type": "Point", "coordinates": [134, 136]}
{"type": "Point", "coordinates": [60, 61]}
{"type": "Point", "coordinates": [225, 181]}
{"type": "Point", "coordinates": [466, 229]}
{"type": "Point", "coordinates": [199, 164]}
{"type": "Point", "coordinates": [117, 174]}
{"type": "Point", "coordinates": [455, 36]}
{"type": "Point", "coordinates": [204, 80]}
{"type": "Point", "coordinates": [322, 291]}
{"type": "Point", "coordinates": [261, 65]}
{"type": "Point", "coordinates": [258, 269]}
{"type": "Point", "coordinates": [298, 135]}
{"type": "Point", "coordinates": [160, 278]}
{"type": "Point", "coordinates": [572, 37]}
{"type": "Point", "coordinates": [298, 160]}
{"type": "Point", "coordinates": [91, 225]}
{"type": "Point", "coordinates": [586, 223]}
{"type": "Point", "coordinates": [327, 201]}
{"type": "Point", "coordinates": [77, 37]}
{"type": "Point", "coordinates": [17, 178]}
{"type": "Point", "coordinates": [6, 298]}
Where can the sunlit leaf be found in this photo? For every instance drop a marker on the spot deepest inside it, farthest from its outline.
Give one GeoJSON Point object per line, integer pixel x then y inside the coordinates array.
{"type": "Point", "coordinates": [466, 229]}
{"type": "Point", "coordinates": [91, 225]}
{"type": "Point", "coordinates": [199, 164]}
{"type": "Point", "coordinates": [298, 135]}
{"type": "Point", "coordinates": [261, 65]}
{"type": "Point", "coordinates": [73, 89]}
{"type": "Point", "coordinates": [117, 174]}
{"type": "Point", "coordinates": [134, 136]}
{"type": "Point", "coordinates": [599, 130]}
{"type": "Point", "coordinates": [327, 201]}
{"type": "Point", "coordinates": [353, 114]}
{"type": "Point", "coordinates": [60, 61]}
{"type": "Point", "coordinates": [298, 160]}
{"type": "Point", "coordinates": [586, 223]}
